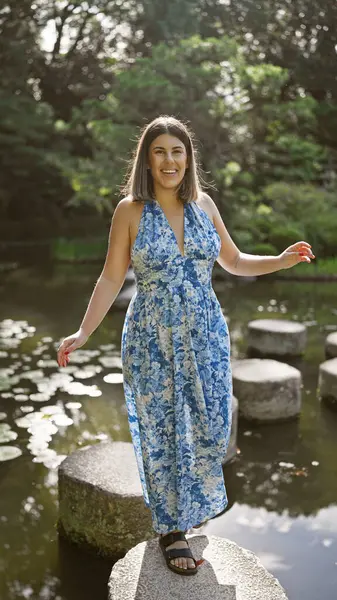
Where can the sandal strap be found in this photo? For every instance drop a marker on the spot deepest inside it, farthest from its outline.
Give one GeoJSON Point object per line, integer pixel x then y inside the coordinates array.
{"type": "Point", "coordinates": [170, 538]}
{"type": "Point", "coordinates": [179, 553]}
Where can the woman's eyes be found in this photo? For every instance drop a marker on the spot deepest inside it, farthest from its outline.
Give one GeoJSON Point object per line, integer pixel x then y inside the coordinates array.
{"type": "Point", "coordinates": [175, 151]}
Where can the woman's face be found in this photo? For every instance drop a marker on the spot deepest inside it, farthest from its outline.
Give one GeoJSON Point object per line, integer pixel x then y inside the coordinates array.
{"type": "Point", "coordinates": [167, 160]}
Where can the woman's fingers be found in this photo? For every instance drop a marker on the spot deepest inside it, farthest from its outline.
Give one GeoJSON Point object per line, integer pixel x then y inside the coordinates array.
{"type": "Point", "coordinates": [63, 353]}
{"type": "Point", "coordinates": [302, 243]}
{"type": "Point", "coordinates": [301, 248]}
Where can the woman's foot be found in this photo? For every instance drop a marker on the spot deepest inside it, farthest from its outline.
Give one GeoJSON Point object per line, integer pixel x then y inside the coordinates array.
{"type": "Point", "coordinates": [182, 562]}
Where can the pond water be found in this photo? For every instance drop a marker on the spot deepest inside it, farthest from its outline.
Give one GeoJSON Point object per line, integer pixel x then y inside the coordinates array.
{"type": "Point", "coordinates": [282, 486]}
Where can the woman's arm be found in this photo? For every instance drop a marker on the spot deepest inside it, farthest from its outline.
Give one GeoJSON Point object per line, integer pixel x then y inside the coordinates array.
{"type": "Point", "coordinates": [109, 282]}
{"type": "Point", "coordinates": [114, 270]}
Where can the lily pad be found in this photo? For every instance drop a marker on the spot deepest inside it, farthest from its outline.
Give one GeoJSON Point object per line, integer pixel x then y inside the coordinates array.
{"type": "Point", "coordinates": [34, 375]}
{"type": "Point", "coordinates": [62, 420]}
{"type": "Point", "coordinates": [40, 397]}
{"type": "Point", "coordinates": [6, 434]}
{"type": "Point", "coordinates": [21, 397]}
{"type": "Point", "coordinates": [37, 446]}
{"type": "Point", "coordinates": [73, 405]}
{"type": "Point", "coordinates": [42, 429]}
{"type": "Point", "coordinates": [107, 347]}
{"type": "Point", "coordinates": [48, 411]}
{"type": "Point", "coordinates": [111, 362]}
{"type": "Point", "coordinates": [43, 363]}
{"type": "Point", "coordinates": [44, 455]}
{"type": "Point", "coordinates": [113, 378]}
{"type": "Point", "coordinates": [41, 349]}
{"type": "Point", "coordinates": [75, 388]}
{"type": "Point", "coordinates": [7, 378]}
{"type": "Point", "coordinates": [87, 372]}
{"type": "Point", "coordinates": [15, 330]}
{"type": "Point", "coordinates": [29, 419]}
{"type": "Point", "coordinates": [27, 409]}
{"type": "Point", "coordinates": [83, 356]}
{"type": "Point", "coordinates": [9, 452]}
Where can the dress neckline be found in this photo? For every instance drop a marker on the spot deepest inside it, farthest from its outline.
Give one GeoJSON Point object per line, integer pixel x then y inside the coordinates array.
{"type": "Point", "coordinates": [171, 229]}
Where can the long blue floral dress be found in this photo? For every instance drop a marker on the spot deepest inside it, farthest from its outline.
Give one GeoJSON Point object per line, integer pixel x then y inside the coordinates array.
{"type": "Point", "coordinates": [176, 370]}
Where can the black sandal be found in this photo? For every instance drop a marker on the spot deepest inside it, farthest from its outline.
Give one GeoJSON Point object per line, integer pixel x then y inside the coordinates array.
{"type": "Point", "coordinates": [167, 540]}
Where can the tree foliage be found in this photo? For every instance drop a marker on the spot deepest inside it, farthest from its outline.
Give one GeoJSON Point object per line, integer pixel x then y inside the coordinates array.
{"type": "Point", "coordinates": [256, 82]}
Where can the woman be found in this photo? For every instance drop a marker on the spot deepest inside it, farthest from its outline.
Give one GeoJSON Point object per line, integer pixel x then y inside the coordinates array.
{"type": "Point", "coordinates": [175, 343]}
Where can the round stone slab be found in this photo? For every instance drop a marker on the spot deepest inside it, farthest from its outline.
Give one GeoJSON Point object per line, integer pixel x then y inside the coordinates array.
{"type": "Point", "coordinates": [267, 390]}
{"type": "Point", "coordinates": [101, 505]}
{"type": "Point", "coordinates": [277, 337]}
{"type": "Point", "coordinates": [228, 573]}
{"type": "Point", "coordinates": [331, 345]}
{"type": "Point", "coordinates": [327, 382]}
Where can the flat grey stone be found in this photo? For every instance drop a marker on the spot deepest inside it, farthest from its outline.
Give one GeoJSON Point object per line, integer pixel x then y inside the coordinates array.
{"type": "Point", "coordinates": [228, 573]}
{"type": "Point", "coordinates": [101, 505]}
{"type": "Point", "coordinates": [331, 345]}
{"type": "Point", "coordinates": [327, 382]}
{"type": "Point", "coordinates": [277, 337]}
{"type": "Point", "coordinates": [267, 390]}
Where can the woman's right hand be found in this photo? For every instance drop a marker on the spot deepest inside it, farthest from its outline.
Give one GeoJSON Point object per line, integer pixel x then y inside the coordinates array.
{"type": "Point", "coordinates": [69, 344]}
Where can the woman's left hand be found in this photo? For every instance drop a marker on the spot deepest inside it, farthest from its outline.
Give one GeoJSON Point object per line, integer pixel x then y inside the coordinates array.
{"type": "Point", "coordinates": [296, 253]}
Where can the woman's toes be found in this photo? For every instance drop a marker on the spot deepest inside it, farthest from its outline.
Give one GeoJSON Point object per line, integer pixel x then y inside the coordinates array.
{"type": "Point", "coordinates": [182, 563]}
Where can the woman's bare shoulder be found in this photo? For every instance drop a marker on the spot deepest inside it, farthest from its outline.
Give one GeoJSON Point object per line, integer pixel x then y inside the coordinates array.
{"type": "Point", "coordinates": [130, 207]}
{"type": "Point", "coordinates": [133, 213]}
{"type": "Point", "coordinates": [207, 204]}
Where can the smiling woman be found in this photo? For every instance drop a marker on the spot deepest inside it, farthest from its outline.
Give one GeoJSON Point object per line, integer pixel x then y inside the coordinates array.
{"type": "Point", "coordinates": [175, 341]}
{"type": "Point", "coordinates": [164, 164]}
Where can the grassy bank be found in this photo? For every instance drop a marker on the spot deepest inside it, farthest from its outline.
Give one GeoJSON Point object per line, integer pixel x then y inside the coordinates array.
{"type": "Point", "coordinates": [79, 249]}
{"type": "Point", "coordinates": [320, 269]}
{"type": "Point", "coordinates": [94, 249]}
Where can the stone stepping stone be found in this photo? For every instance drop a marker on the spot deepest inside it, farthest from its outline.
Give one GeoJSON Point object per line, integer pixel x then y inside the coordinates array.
{"type": "Point", "coordinates": [267, 390]}
{"type": "Point", "coordinates": [228, 573]}
{"type": "Point", "coordinates": [101, 505]}
{"type": "Point", "coordinates": [276, 337]}
{"type": "Point", "coordinates": [327, 382]}
{"type": "Point", "coordinates": [331, 345]}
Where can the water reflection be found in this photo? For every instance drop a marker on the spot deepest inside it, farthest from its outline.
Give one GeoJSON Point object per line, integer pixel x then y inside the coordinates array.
{"type": "Point", "coordinates": [299, 551]}
{"type": "Point", "coordinates": [282, 487]}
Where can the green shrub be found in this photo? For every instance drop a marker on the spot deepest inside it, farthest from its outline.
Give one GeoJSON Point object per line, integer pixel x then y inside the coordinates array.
{"type": "Point", "coordinates": [79, 249]}
{"type": "Point", "coordinates": [302, 212]}
{"type": "Point", "coordinates": [283, 235]}
{"type": "Point", "coordinates": [244, 240]}
{"type": "Point", "coordinates": [264, 249]}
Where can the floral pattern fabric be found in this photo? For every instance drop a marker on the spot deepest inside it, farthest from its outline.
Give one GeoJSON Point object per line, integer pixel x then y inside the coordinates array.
{"type": "Point", "coordinates": [177, 378]}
